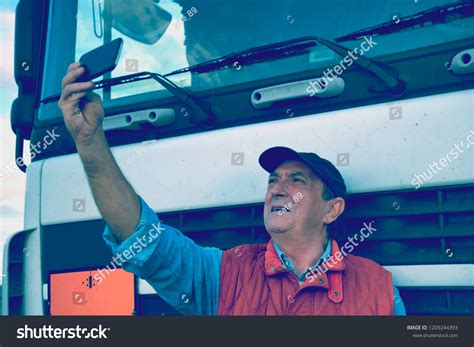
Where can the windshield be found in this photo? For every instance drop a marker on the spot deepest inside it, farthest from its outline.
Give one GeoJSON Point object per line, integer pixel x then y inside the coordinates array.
{"type": "Point", "coordinates": [166, 35]}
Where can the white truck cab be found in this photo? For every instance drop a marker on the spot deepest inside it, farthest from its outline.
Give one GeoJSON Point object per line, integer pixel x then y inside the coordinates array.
{"type": "Point", "coordinates": [395, 115]}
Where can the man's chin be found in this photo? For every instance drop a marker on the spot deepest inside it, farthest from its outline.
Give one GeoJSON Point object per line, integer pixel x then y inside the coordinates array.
{"type": "Point", "coordinates": [278, 223]}
{"type": "Point", "coordinates": [277, 227]}
{"type": "Point", "coordinates": [277, 231]}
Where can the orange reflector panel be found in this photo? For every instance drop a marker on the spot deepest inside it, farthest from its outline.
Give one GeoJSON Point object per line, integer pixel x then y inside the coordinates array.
{"type": "Point", "coordinates": [96, 292]}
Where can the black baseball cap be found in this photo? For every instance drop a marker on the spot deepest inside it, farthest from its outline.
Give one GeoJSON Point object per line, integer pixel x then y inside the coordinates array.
{"type": "Point", "coordinates": [271, 158]}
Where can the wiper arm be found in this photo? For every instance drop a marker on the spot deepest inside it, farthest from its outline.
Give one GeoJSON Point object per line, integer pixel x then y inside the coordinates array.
{"type": "Point", "coordinates": [385, 72]}
{"type": "Point", "coordinates": [437, 14]}
{"type": "Point", "coordinates": [254, 55]}
{"type": "Point", "coordinates": [295, 47]}
{"type": "Point", "coordinates": [200, 107]}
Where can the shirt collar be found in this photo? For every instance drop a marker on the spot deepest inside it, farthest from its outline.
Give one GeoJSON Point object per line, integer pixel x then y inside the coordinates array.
{"type": "Point", "coordinates": [327, 275]}
{"type": "Point", "coordinates": [286, 262]}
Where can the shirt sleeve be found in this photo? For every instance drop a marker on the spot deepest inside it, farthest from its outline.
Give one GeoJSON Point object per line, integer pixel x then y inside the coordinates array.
{"type": "Point", "coordinates": [399, 306]}
{"type": "Point", "coordinates": [183, 274]}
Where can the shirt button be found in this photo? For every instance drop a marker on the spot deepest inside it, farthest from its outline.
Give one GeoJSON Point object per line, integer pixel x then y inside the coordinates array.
{"type": "Point", "coordinates": [336, 293]}
{"type": "Point", "coordinates": [321, 281]}
{"type": "Point", "coordinates": [272, 268]}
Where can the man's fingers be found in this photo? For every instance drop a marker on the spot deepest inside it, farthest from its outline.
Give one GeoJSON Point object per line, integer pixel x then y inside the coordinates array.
{"type": "Point", "coordinates": [72, 75]}
{"type": "Point", "coordinates": [77, 96]}
{"type": "Point", "coordinates": [68, 109]}
{"type": "Point", "coordinates": [70, 89]}
{"type": "Point", "coordinates": [73, 66]}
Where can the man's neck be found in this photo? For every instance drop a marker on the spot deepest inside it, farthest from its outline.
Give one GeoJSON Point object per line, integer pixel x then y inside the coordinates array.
{"type": "Point", "coordinates": [303, 252]}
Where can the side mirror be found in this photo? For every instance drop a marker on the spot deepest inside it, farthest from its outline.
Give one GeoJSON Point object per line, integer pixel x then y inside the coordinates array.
{"type": "Point", "coordinates": [141, 20]}
{"type": "Point", "coordinates": [29, 19]}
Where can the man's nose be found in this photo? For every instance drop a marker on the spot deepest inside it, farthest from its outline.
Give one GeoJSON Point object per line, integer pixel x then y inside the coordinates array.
{"type": "Point", "coordinates": [279, 189]}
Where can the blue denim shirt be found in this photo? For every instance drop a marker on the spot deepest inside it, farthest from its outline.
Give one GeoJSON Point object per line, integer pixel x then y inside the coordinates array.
{"type": "Point", "coordinates": [184, 274]}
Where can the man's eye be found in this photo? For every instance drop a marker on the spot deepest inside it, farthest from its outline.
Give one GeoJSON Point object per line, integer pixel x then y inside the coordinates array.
{"type": "Point", "coordinates": [298, 180]}
{"type": "Point", "coordinates": [271, 180]}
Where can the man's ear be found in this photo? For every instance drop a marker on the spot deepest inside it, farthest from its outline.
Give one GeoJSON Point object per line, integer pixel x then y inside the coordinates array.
{"type": "Point", "coordinates": [335, 209]}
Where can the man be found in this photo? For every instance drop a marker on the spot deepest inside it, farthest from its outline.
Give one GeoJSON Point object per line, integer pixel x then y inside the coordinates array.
{"type": "Point", "coordinates": [301, 271]}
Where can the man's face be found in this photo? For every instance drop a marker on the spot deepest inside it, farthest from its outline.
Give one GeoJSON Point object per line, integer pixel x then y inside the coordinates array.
{"type": "Point", "coordinates": [294, 187]}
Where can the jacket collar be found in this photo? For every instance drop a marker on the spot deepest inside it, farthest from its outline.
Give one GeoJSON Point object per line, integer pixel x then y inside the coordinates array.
{"type": "Point", "coordinates": [288, 264]}
{"type": "Point", "coordinates": [328, 275]}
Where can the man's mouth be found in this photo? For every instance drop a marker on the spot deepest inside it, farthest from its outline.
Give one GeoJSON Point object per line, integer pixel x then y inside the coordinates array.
{"type": "Point", "coordinates": [279, 209]}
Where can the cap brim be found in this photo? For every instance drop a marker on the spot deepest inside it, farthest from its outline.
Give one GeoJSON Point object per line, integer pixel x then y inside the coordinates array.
{"type": "Point", "coordinates": [272, 158]}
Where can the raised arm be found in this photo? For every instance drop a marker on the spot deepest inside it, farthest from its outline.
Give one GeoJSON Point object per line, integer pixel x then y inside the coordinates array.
{"type": "Point", "coordinates": [183, 273]}
{"type": "Point", "coordinates": [83, 115]}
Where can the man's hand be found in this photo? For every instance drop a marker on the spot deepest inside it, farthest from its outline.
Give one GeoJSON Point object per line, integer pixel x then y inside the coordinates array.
{"type": "Point", "coordinates": [82, 109]}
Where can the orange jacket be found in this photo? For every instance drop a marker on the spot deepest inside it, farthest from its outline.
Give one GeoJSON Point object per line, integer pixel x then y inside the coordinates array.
{"type": "Point", "coordinates": [253, 281]}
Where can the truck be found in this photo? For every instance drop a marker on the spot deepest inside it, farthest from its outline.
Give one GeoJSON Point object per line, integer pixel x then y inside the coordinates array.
{"type": "Point", "coordinates": [383, 89]}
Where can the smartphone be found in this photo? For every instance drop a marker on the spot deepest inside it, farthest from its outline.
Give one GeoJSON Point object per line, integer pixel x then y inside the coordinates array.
{"type": "Point", "coordinates": [100, 60]}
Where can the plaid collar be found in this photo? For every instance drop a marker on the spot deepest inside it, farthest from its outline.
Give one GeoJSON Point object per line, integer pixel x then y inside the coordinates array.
{"type": "Point", "coordinates": [286, 262]}
{"type": "Point", "coordinates": [327, 275]}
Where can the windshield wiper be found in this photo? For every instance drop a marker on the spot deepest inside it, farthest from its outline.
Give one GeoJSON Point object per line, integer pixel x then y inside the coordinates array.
{"type": "Point", "coordinates": [201, 107]}
{"type": "Point", "coordinates": [254, 55]}
{"type": "Point", "coordinates": [384, 72]}
{"type": "Point", "coordinates": [437, 14]}
{"type": "Point", "coordinates": [293, 47]}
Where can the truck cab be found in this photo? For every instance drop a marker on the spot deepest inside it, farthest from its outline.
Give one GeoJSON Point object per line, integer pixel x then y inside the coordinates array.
{"type": "Point", "coordinates": [384, 90]}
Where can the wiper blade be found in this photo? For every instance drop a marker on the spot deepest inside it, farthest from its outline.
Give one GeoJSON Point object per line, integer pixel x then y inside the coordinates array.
{"type": "Point", "coordinates": [105, 83]}
{"type": "Point", "coordinates": [254, 55]}
{"type": "Point", "coordinates": [437, 14]}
